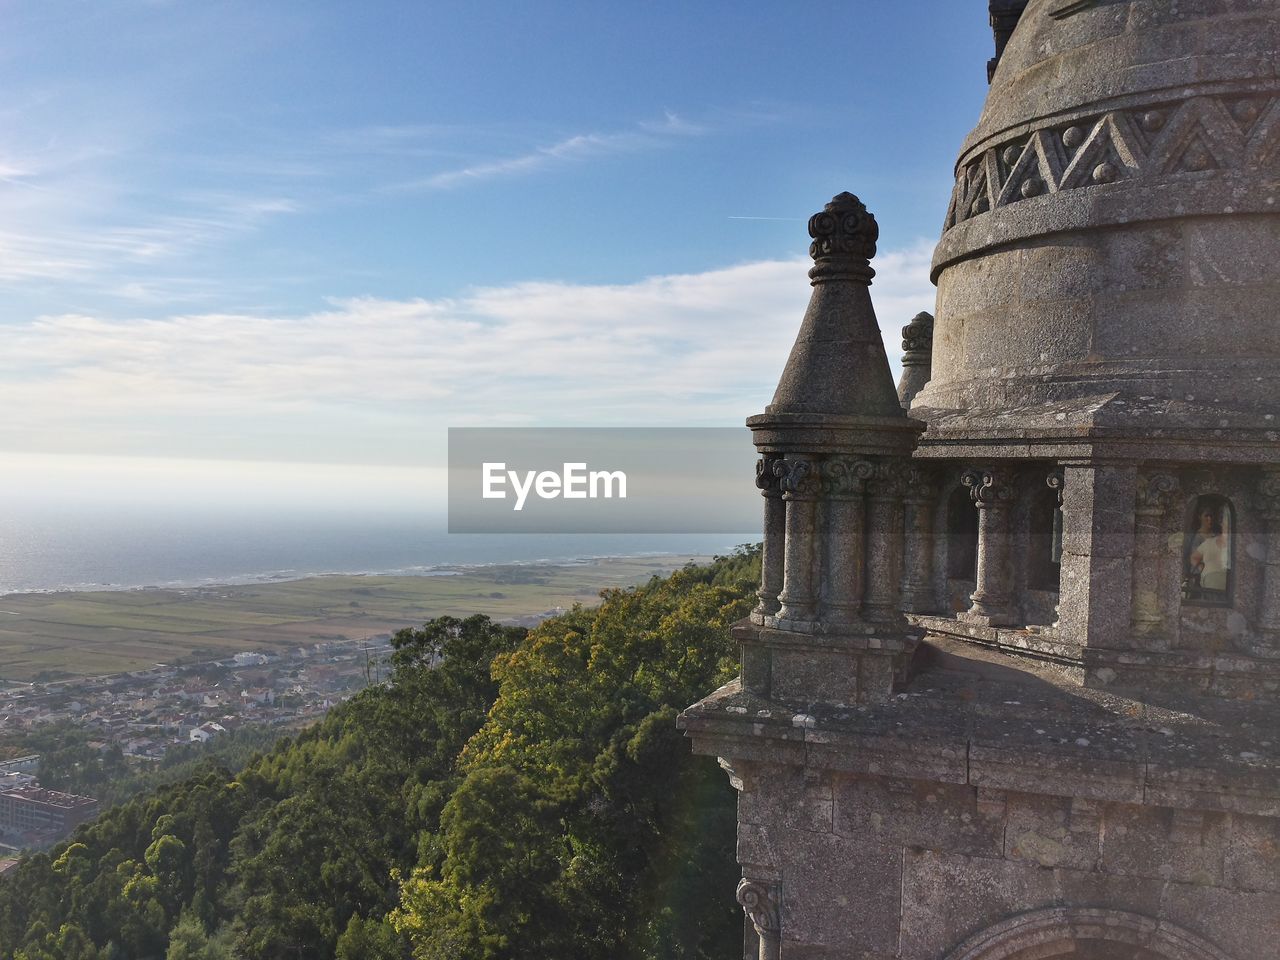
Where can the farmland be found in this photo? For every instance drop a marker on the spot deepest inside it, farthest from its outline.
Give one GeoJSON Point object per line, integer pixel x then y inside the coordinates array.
{"type": "Point", "coordinates": [54, 636]}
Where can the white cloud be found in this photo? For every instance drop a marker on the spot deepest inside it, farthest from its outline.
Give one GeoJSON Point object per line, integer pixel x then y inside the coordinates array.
{"type": "Point", "coordinates": [583, 146]}
{"type": "Point", "coordinates": [367, 379]}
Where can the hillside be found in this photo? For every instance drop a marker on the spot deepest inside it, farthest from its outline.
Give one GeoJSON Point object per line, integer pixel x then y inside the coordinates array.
{"type": "Point", "coordinates": [508, 793]}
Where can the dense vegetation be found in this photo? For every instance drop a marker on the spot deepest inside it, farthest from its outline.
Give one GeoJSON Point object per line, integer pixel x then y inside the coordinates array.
{"type": "Point", "coordinates": [506, 794]}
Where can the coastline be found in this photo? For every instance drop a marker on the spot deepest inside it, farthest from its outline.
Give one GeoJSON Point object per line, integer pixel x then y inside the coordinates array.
{"type": "Point", "coordinates": [287, 576]}
{"type": "Point", "coordinates": [57, 635]}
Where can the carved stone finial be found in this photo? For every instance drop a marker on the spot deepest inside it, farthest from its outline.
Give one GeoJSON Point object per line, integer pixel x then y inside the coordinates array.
{"type": "Point", "coordinates": [917, 339]}
{"type": "Point", "coordinates": [844, 240]}
{"type": "Point", "coordinates": [917, 357]}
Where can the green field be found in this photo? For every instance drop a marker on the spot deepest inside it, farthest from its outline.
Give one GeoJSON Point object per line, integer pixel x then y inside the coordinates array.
{"type": "Point", "coordinates": [51, 636]}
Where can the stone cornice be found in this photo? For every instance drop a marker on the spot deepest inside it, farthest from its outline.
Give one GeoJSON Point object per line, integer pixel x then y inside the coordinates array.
{"type": "Point", "coordinates": [1031, 736]}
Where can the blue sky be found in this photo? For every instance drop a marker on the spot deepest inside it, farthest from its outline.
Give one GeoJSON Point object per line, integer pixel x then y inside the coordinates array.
{"type": "Point", "coordinates": [319, 232]}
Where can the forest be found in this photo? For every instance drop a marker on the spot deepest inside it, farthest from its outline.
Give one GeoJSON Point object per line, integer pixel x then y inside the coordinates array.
{"type": "Point", "coordinates": [508, 793]}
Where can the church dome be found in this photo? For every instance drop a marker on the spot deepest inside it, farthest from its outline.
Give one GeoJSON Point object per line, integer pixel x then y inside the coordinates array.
{"type": "Point", "coordinates": [1114, 232]}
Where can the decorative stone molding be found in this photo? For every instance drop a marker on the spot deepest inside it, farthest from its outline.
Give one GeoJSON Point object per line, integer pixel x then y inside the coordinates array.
{"type": "Point", "coordinates": [741, 773]}
{"type": "Point", "coordinates": [1156, 493]}
{"type": "Point", "coordinates": [889, 481]}
{"type": "Point", "coordinates": [989, 488]}
{"type": "Point", "coordinates": [1183, 138]}
{"type": "Point", "coordinates": [799, 478]}
{"type": "Point", "coordinates": [846, 477]}
{"type": "Point", "coordinates": [768, 476]}
{"type": "Point", "coordinates": [760, 901]}
{"type": "Point", "coordinates": [920, 483]}
{"type": "Point", "coordinates": [1062, 932]}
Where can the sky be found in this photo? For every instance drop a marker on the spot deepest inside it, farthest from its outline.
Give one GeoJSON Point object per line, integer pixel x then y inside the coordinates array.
{"type": "Point", "coordinates": [288, 234]}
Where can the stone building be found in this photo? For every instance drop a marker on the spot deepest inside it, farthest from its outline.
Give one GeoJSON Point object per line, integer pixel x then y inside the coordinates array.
{"type": "Point", "coordinates": [1012, 688]}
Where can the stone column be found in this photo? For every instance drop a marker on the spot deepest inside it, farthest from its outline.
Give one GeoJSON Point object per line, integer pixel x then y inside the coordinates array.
{"type": "Point", "coordinates": [1268, 503]}
{"type": "Point", "coordinates": [759, 901]}
{"type": "Point", "coordinates": [843, 482]}
{"type": "Point", "coordinates": [918, 594]}
{"type": "Point", "coordinates": [884, 557]}
{"type": "Point", "coordinates": [1097, 554]}
{"type": "Point", "coordinates": [992, 492]}
{"type": "Point", "coordinates": [1156, 492]}
{"type": "Point", "coordinates": [798, 478]}
{"type": "Point", "coordinates": [1056, 480]}
{"type": "Point", "coordinates": [772, 553]}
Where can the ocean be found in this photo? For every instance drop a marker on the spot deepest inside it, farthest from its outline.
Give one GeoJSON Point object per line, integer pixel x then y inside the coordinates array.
{"type": "Point", "coordinates": [104, 548]}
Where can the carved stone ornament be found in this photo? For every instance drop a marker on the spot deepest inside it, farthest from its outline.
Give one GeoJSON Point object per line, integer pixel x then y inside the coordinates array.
{"type": "Point", "coordinates": [1057, 481]}
{"type": "Point", "coordinates": [890, 480]}
{"type": "Point", "coordinates": [798, 478]}
{"type": "Point", "coordinates": [1156, 492]}
{"type": "Point", "coordinates": [989, 488]}
{"type": "Point", "coordinates": [767, 477]}
{"type": "Point", "coordinates": [1191, 137]}
{"type": "Point", "coordinates": [1267, 496]}
{"type": "Point", "coordinates": [760, 903]}
{"type": "Point", "coordinates": [917, 338]}
{"type": "Point", "coordinates": [920, 483]}
{"type": "Point", "coordinates": [845, 477]}
{"type": "Point", "coordinates": [844, 239]}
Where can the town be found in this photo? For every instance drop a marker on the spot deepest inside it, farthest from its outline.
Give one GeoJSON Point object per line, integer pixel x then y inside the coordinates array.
{"type": "Point", "coordinates": [145, 713]}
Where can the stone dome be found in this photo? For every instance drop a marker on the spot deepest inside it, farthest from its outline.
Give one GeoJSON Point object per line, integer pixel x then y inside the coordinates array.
{"type": "Point", "coordinates": [1114, 233]}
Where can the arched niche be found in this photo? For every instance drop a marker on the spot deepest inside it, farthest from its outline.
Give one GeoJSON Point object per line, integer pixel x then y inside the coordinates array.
{"type": "Point", "coordinates": [1208, 552]}
{"type": "Point", "coordinates": [1085, 933]}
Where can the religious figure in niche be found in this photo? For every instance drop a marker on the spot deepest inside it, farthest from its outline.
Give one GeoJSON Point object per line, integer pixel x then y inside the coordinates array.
{"type": "Point", "coordinates": [1208, 552]}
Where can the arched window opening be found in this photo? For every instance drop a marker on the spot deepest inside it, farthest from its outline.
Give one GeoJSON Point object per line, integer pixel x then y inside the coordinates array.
{"type": "Point", "coordinates": [1085, 933]}
{"type": "Point", "coordinates": [1208, 552]}
{"type": "Point", "coordinates": [962, 536]}
{"type": "Point", "coordinates": [1044, 559]}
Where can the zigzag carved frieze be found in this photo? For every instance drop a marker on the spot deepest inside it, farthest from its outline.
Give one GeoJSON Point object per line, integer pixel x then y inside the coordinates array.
{"type": "Point", "coordinates": [1195, 136]}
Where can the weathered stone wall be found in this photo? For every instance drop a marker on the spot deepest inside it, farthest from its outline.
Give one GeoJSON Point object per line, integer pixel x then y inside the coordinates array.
{"type": "Point", "coordinates": [880, 868]}
{"type": "Point", "coordinates": [1115, 223]}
